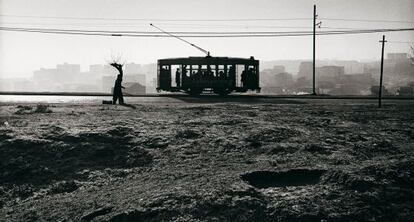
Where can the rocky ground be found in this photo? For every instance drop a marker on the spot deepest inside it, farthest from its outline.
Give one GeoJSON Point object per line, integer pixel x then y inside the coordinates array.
{"type": "Point", "coordinates": [284, 161]}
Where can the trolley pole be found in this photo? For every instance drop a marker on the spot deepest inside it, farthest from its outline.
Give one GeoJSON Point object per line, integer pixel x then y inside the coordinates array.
{"type": "Point", "coordinates": [314, 35]}
{"type": "Point", "coordinates": [383, 41]}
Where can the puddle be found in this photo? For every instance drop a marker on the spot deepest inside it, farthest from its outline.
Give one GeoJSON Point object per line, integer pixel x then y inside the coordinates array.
{"type": "Point", "coordinates": [295, 177]}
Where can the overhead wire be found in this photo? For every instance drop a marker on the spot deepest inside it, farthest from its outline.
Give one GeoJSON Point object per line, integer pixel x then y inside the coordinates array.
{"type": "Point", "coordinates": [400, 42]}
{"type": "Point", "coordinates": [327, 30]}
{"type": "Point", "coordinates": [201, 20]}
{"type": "Point", "coordinates": [146, 32]}
{"type": "Point", "coordinates": [186, 26]}
{"type": "Point", "coordinates": [197, 34]}
{"type": "Point", "coordinates": [155, 19]}
{"type": "Point", "coordinates": [141, 25]}
{"type": "Point", "coordinates": [364, 20]}
{"type": "Point", "coordinates": [200, 24]}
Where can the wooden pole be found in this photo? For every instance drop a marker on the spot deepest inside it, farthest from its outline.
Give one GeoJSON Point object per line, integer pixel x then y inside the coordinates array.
{"type": "Point", "coordinates": [314, 35]}
{"type": "Point", "coordinates": [382, 71]}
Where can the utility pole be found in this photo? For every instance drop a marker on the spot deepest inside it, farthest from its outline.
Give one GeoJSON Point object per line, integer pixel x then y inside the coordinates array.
{"type": "Point", "coordinates": [383, 41]}
{"type": "Point", "coordinates": [314, 35]}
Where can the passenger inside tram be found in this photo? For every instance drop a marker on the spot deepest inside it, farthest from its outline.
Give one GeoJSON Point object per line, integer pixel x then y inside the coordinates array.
{"type": "Point", "coordinates": [232, 76]}
{"type": "Point", "coordinates": [177, 77]}
{"type": "Point", "coordinates": [243, 79]}
{"type": "Point", "coordinates": [165, 78]}
{"type": "Point", "coordinates": [221, 75]}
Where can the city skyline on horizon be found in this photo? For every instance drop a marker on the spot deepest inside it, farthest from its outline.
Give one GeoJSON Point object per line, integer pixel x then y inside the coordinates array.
{"type": "Point", "coordinates": [86, 67]}
{"type": "Point", "coordinates": [335, 76]}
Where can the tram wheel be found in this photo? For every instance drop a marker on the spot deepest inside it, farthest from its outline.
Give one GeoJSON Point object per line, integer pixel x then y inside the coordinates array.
{"type": "Point", "coordinates": [195, 91]}
{"type": "Point", "coordinates": [222, 92]}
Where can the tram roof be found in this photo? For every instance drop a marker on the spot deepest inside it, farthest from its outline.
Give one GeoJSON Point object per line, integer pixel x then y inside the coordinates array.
{"type": "Point", "coordinates": [208, 60]}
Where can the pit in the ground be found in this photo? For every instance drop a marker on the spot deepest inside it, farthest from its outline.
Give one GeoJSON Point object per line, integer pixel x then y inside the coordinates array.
{"type": "Point", "coordinates": [294, 177]}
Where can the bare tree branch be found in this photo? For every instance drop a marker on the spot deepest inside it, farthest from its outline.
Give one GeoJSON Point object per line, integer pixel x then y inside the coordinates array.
{"type": "Point", "coordinates": [118, 58]}
{"type": "Point", "coordinates": [118, 67]}
{"type": "Point", "coordinates": [117, 62]}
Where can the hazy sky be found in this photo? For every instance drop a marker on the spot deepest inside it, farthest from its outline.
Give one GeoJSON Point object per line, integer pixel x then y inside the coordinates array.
{"type": "Point", "coordinates": [21, 53]}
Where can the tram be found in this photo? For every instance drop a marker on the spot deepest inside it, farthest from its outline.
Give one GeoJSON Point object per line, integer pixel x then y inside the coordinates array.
{"type": "Point", "coordinates": [195, 75]}
{"type": "Point", "coordinates": [220, 75]}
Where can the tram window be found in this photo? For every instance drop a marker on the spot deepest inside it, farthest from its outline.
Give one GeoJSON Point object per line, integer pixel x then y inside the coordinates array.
{"type": "Point", "coordinates": [228, 68]}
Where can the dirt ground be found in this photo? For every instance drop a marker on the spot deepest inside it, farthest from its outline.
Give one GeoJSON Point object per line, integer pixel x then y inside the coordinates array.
{"type": "Point", "coordinates": [284, 161]}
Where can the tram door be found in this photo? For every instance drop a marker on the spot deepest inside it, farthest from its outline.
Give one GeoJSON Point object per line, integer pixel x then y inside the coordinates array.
{"type": "Point", "coordinates": [239, 71]}
{"type": "Point", "coordinates": [176, 75]}
{"type": "Point", "coordinates": [164, 80]}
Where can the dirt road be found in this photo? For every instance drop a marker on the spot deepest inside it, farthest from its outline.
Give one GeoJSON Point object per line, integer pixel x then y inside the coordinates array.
{"type": "Point", "coordinates": [278, 160]}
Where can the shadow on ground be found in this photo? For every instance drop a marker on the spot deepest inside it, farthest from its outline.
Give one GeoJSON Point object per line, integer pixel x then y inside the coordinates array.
{"type": "Point", "coordinates": [235, 99]}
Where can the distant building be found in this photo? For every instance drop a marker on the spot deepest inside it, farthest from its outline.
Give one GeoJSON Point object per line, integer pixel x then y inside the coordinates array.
{"type": "Point", "coordinates": [354, 84]}
{"type": "Point", "coordinates": [283, 80]}
{"type": "Point", "coordinates": [132, 68]}
{"type": "Point", "coordinates": [397, 56]}
{"type": "Point", "coordinates": [22, 85]}
{"type": "Point", "coordinates": [139, 78]}
{"type": "Point", "coordinates": [152, 86]}
{"type": "Point", "coordinates": [100, 70]}
{"type": "Point", "coordinates": [63, 74]}
{"type": "Point", "coordinates": [279, 69]}
{"type": "Point", "coordinates": [406, 91]}
{"type": "Point", "coordinates": [303, 82]}
{"type": "Point", "coordinates": [68, 72]}
{"type": "Point", "coordinates": [305, 70]}
{"type": "Point", "coordinates": [96, 69]}
{"type": "Point", "coordinates": [109, 81]}
{"type": "Point", "coordinates": [329, 73]}
{"type": "Point", "coordinates": [45, 75]}
{"type": "Point", "coordinates": [327, 77]}
{"type": "Point", "coordinates": [358, 78]}
{"type": "Point", "coordinates": [277, 83]}
{"type": "Point", "coordinates": [375, 90]}
{"type": "Point", "coordinates": [6, 85]}
{"type": "Point", "coordinates": [350, 66]}
{"type": "Point", "coordinates": [268, 77]}
{"type": "Point", "coordinates": [46, 80]}
{"type": "Point", "coordinates": [133, 88]}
